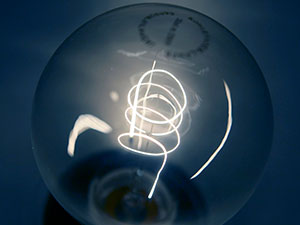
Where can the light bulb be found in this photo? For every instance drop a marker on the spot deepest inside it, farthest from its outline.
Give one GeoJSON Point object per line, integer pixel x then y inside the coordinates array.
{"type": "Point", "coordinates": [151, 114]}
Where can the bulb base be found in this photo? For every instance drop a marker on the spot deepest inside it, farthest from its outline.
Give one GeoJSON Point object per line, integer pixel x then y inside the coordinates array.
{"type": "Point", "coordinates": [121, 198]}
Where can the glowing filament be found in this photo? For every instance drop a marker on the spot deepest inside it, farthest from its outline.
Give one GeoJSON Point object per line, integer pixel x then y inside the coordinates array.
{"type": "Point", "coordinates": [153, 121]}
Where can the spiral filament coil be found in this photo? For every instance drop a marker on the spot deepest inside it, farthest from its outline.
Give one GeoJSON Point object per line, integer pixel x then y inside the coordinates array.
{"type": "Point", "coordinates": [150, 123]}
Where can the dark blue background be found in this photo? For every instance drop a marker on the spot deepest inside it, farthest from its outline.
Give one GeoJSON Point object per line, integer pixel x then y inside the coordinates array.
{"type": "Point", "coordinates": [32, 30]}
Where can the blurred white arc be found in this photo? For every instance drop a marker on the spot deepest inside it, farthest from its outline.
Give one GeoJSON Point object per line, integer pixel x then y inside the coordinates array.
{"type": "Point", "coordinates": [83, 123]}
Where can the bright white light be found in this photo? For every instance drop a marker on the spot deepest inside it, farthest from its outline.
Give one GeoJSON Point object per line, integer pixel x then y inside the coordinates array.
{"type": "Point", "coordinates": [149, 123]}
{"type": "Point", "coordinates": [229, 124]}
{"type": "Point", "coordinates": [83, 123]}
{"type": "Point", "coordinates": [114, 96]}
{"type": "Point", "coordinates": [140, 105]}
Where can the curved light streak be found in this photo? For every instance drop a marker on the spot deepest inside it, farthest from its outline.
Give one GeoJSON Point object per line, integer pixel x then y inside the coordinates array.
{"type": "Point", "coordinates": [140, 104]}
{"type": "Point", "coordinates": [83, 123]}
{"type": "Point", "coordinates": [229, 124]}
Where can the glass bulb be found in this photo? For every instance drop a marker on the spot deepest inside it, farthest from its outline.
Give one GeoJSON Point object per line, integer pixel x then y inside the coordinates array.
{"type": "Point", "coordinates": [152, 114]}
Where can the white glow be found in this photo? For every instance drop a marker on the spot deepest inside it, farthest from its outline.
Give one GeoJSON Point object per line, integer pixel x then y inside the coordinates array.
{"type": "Point", "coordinates": [229, 124]}
{"type": "Point", "coordinates": [83, 123]}
{"type": "Point", "coordinates": [136, 96]}
{"type": "Point", "coordinates": [131, 54]}
{"type": "Point", "coordinates": [174, 121]}
{"type": "Point", "coordinates": [146, 115]}
{"type": "Point", "coordinates": [114, 96]}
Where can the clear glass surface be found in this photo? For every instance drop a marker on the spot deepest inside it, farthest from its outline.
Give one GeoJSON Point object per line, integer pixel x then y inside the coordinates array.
{"type": "Point", "coordinates": [92, 72]}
